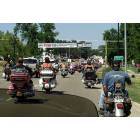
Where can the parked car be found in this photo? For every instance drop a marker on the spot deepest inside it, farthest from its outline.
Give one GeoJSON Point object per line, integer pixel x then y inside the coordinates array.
{"type": "Point", "coordinates": [32, 63]}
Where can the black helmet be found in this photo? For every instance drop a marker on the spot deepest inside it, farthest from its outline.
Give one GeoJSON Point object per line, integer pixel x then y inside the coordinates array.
{"type": "Point", "coordinates": [89, 62]}
{"type": "Point", "coordinates": [47, 60]}
{"type": "Point", "coordinates": [116, 65]}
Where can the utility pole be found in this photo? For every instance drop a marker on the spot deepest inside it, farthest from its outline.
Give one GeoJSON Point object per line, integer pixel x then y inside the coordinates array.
{"type": "Point", "coordinates": [69, 52]}
{"type": "Point", "coordinates": [125, 46]}
{"type": "Point", "coordinates": [118, 43]}
{"type": "Point", "coordinates": [105, 53]}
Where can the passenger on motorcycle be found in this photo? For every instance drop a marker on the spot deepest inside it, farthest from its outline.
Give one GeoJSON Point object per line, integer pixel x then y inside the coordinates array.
{"type": "Point", "coordinates": [109, 81]}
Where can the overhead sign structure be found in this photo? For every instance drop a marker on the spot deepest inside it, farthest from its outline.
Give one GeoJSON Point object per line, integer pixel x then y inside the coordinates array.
{"type": "Point", "coordinates": [84, 45]}
{"type": "Point", "coordinates": [57, 45]}
{"type": "Point", "coordinates": [64, 45]}
{"type": "Point", "coordinates": [119, 58]}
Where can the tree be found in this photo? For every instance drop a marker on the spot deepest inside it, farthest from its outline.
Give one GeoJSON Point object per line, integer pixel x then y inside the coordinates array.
{"type": "Point", "coordinates": [133, 40]}
{"type": "Point", "coordinates": [32, 33]}
{"type": "Point", "coordinates": [47, 33]}
{"type": "Point", "coordinates": [29, 35]}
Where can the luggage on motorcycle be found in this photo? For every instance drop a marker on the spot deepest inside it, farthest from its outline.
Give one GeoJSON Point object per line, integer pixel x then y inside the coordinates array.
{"type": "Point", "coordinates": [90, 75]}
{"type": "Point", "coordinates": [46, 73]}
{"type": "Point", "coordinates": [19, 77]}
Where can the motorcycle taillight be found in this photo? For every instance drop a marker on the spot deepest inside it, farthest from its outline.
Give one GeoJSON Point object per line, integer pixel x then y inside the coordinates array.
{"type": "Point", "coordinates": [11, 87]}
{"type": "Point", "coordinates": [45, 80]}
{"type": "Point", "coordinates": [120, 106]}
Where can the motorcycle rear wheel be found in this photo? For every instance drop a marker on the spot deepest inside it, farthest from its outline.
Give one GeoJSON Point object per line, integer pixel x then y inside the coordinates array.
{"type": "Point", "coordinates": [47, 91]}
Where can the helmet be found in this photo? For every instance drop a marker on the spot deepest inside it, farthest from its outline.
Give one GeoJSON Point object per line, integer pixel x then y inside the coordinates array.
{"type": "Point", "coordinates": [116, 65]}
{"type": "Point", "coordinates": [89, 62]}
{"type": "Point", "coordinates": [47, 60]}
{"type": "Point", "coordinates": [20, 60]}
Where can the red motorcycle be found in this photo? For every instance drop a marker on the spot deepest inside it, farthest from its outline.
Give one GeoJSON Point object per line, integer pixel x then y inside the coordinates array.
{"type": "Point", "coordinates": [21, 85]}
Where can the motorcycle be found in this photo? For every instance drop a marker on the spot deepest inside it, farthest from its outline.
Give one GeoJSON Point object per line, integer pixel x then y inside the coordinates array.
{"type": "Point", "coordinates": [117, 105]}
{"type": "Point", "coordinates": [64, 73]}
{"type": "Point", "coordinates": [90, 79]}
{"type": "Point", "coordinates": [21, 85]}
{"type": "Point", "coordinates": [47, 81]}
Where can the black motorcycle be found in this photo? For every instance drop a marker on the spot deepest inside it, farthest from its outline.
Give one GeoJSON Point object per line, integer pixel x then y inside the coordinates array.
{"type": "Point", "coordinates": [90, 78]}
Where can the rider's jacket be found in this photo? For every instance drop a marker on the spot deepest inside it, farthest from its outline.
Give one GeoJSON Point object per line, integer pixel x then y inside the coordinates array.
{"type": "Point", "coordinates": [111, 77]}
{"type": "Point", "coordinates": [47, 65]}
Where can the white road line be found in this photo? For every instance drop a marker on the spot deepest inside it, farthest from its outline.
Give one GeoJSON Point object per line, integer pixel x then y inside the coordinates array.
{"type": "Point", "coordinates": [9, 99]}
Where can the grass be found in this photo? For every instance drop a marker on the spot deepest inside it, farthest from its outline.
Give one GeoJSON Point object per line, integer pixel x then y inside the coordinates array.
{"type": "Point", "coordinates": [134, 90]}
{"type": "Point", "coordinates": [134, 69]}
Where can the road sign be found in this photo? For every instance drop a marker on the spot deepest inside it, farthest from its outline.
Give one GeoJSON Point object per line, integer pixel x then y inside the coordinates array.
{"type": "Point", "coordinates": [57, 45]}
{"type": "Point", "coordinates": [119, 58]}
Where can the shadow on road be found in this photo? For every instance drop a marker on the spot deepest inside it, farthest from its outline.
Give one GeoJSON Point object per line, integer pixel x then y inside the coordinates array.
{"type": "Point", "coordinates": [57, 92]}
{"type": "Point", "coordinates": [31, 101]}
{"type": "Point", "coordinates": [93, 88]}
{"type": "Point", "coordinates": [56, 104]}
{"type": "Point", "coordinates": [51, 93]}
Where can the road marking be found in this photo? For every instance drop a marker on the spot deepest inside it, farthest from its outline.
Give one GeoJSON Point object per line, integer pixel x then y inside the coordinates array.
{"type": "Point", "coordinates": [9, 99]}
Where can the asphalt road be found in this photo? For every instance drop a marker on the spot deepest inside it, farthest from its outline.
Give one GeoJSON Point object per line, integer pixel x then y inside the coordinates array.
{"type": "Point", "coordinates": [69, 99]}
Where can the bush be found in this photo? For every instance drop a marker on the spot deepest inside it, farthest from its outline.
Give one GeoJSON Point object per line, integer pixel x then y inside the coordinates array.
{"type": "Point", "coordinates": [2, 63]}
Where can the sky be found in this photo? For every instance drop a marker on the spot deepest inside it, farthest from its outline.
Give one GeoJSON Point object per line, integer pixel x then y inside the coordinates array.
{"type": "Point", "coordinates": [91, 32]}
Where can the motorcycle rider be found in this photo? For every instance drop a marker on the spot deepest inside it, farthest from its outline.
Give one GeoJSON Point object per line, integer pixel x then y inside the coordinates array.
{"type": "Point", "coordinates": [64, 66]}
{"type": "Point", "coordinates": [48, 65]}
{"type": "Point", "coordinates": [56, 66]}
{"type": "Point", "coordinates": [89, 65]}
{"type": "Point", "coordinates": [7, 68]}
{"type": "Point", "coordinates": [109, 81]}
{"type": "Point", "coordinates": [88, 68]}
{"type": "Point", "coordinates": [19, 64]}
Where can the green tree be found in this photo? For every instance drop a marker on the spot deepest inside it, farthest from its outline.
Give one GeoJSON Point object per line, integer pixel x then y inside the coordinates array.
{"type": "Point", "coordinates": [29, 35]}
{"type": "Point", "coordinates": [47, 33]}
{"type": "Point", "coordinates": [133, 40]}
